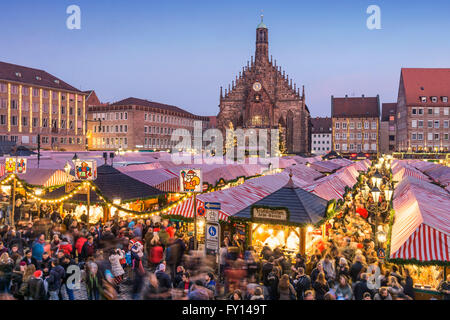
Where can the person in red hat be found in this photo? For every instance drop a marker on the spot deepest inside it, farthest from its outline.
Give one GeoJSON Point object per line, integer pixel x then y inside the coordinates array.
{"type": "Point", "coordinates": [36, 287]}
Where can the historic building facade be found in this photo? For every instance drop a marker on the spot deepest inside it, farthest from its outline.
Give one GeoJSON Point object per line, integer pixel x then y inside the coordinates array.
{"type": "Point", "coordinates": [423, 110]}
{"type": "Point", "coordinates": [135, 123]}
{"type": "Point", "coordinates": [356, 124]}
{"type": "Point", "coordinates": [321, 135]}
{"type": "Point", "coordinates": [34, 102]}
{"type": "Point", "coordinates": [263, 97]}
{"type": "Point", "coordinates": [388, 127]}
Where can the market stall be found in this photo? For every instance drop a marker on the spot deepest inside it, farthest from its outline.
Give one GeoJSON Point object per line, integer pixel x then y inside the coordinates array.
{"type": "Point", "coordinates": [111, 187]}
{"type": "Point", "coordinates": [283, 218]}
{"type": "Point", "coordinates": [420, 233]}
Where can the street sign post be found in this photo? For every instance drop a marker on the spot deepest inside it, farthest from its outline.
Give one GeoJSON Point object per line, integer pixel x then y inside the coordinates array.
{"type": "Point", "coordinates": [212, 233]}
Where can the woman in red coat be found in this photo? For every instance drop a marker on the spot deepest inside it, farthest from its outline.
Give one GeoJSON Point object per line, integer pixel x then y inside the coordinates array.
{"type": "Point", "coordinates": [156, 252]}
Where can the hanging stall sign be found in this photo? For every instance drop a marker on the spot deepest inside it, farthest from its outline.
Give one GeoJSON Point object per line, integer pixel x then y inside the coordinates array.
{"type": "Point", "coordinates": [70, 186]}
{"type": "Point", "coordinates": [16, 165]}
{"type": "Point", "coordinates": [269, 214]}
{"type": "Point", "coordinates": [191, 180]}
{"type": "Point", "coordinates": [86, 170]}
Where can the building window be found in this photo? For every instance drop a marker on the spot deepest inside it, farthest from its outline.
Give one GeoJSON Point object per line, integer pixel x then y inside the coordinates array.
{"type": "Point", "coordinates": [337, 146]}
{"type": "Point", "coordinates": [423, 99]}
{"type": "Point", "coordinates": [414, 111]}
{"type": "Point", "coordinates": [337, 137]}
{"type": "Point", "coordinates": [430, 136]}
{"type": "Point", "coordinates": [344, 125]}
{"type": "Point", "coordinates": [420, 124]}
{"type": "Point", "coordinates": [419, 136]}
{"type": "Point", "coordinates": [436, 136]}
{"type": "Point", "coordinates": [434, 99]}
{"type": "Point", "coordinates": [430, 123]}
{"type": "Point", "coordinates": [445, 123]}
{"type": "Point", "coordinates": [374, 125]}
{"type": "Point", "coordinates": [446, 110]}
{"type": "Point", "coordinates": [413, 136]}
{"type": "Point", "coordinates": [337, 125]}
{"type": "Point", "coordinates": [14, 121]}
{"type": "Point", "coordinates": [366, 124]}
{"type": "Point", "coordinates": [414, 123]}
{"type": "Point", "coordinates": [436, 124]}
{"type": "Point", "coordinates": [430, 110]}
{"type": "Point", "coordinates": [352, 125]}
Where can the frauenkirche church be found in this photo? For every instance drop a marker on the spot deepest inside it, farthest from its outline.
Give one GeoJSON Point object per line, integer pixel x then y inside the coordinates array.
{"type": "Point", "coordinates": [263, 96]}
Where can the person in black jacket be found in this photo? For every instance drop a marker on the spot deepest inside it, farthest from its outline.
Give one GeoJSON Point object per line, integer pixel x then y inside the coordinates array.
{"type": "Point", "coordinates": [36, 289]}
{"type": "Point", "coordinates": [29, 259]}
{"type": "Point", "coordinates": [361, 287]}
{"type": "Point", "coordinates": [55, 280]}
{"type": "Point", "coordinates": [408, 287]}
{"type": "Point", "coordinates": [165, 284]}
{"type": "Point", "coordinates": [302, 283]}
{"type": "Point", "coordinates": [66, 263]}
{"type": "Point", "coordinates": [356, 268]}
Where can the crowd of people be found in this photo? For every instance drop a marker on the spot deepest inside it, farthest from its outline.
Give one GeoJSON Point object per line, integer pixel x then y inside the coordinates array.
{"type": "Point", "coordinates": [156, 260]}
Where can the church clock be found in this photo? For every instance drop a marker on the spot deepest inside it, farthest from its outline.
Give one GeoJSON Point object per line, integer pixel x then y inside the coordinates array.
{"type": "Point", "coordinates": [257, 86]}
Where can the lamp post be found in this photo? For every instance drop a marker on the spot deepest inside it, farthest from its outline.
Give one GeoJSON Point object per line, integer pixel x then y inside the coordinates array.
{"type": "Point", "coordinates": [75, 158]}
{"type": "Point", "coordinates": [376, 199]}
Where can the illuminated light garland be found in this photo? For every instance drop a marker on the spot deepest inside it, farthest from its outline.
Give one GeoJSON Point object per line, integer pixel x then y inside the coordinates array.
{"type": "Point", "coordinates": [134, 214]}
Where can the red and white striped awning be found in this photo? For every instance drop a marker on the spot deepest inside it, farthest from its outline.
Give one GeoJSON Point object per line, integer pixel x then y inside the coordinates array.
{"type": "Point", "coordinates": [421, 229]}
{"type": "Point", "coordinates": [186, 209]}
{"type": "Point", "coordinates": [45, 177]}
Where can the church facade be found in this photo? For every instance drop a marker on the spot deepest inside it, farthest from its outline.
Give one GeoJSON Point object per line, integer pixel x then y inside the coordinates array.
{"type": "Point", "coordinates": [263, 97]}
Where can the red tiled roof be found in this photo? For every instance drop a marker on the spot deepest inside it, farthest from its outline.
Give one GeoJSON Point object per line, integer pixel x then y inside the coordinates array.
{"type": "Point", "coordinates": [427, 82]}
{"type": "Point", "coordinates": [145, 103]}
{"type": "Point", "coordinates": [29, 76]}
{"type": "Point", "coordinates": [355, 107]}
{"type": "Point", "coordinates": [387, 110]}
{"type": "Point", "coordinates": [321, 125]}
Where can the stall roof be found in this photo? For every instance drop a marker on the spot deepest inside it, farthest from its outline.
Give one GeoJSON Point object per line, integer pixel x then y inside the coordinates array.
{"type": "Point", "coordinates": [421, 228]}
{"type": "Point", "coordinates": [113, 184]}
{"type": "Point", "coordinates": [304, 207]}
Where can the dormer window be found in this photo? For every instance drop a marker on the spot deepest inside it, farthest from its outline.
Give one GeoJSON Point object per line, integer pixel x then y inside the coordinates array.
{"type": "Point", "coordinates": [423, 99]}
{"type": "Point", "coordinates": [38, 78]}
{"type": "Point", "coordinates": [18, 74]}
{"type": "Point", "coordinates": [56, 81]}
{"type": "Point", "coordinates": [444, 99]}
{"type": "Point", "coordinates": [434, 99]}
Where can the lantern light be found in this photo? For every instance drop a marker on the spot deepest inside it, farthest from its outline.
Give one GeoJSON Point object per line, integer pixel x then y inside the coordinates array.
{"type": "Point", "coordinates": [376, 194]}
{"type": "Point", "coordinates": [388, 194]}
{"type": "Point", "coordinates": [376, 179]}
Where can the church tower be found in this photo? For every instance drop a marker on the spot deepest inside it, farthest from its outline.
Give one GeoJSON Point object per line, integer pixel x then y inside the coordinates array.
{"type": "Point", "coordinates": [262, 42]}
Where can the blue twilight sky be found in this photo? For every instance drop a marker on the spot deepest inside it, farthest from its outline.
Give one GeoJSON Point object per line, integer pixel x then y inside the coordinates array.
{"type": "Point", "coordinates": [181, 52]}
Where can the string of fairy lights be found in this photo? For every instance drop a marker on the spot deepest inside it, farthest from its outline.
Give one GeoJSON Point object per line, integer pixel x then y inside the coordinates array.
{"type": "Point", "coordinates": [81, 188]}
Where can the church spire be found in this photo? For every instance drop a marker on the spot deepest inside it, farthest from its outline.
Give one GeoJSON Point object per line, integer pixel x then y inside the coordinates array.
{"type": "Point", "coordinates": [262, 42]}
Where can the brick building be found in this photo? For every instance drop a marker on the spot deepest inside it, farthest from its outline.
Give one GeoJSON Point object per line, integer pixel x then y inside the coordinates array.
{"type": "Point", "coordinates": [35, 102]}
{"type": "Point", "coordinates": [321, 135]}
{"type": "Point", "coordinates": [388, 127]}
{"type": "Point", "coordinates": [263, 97]}
{"type": "Point", "coordinates": [137, 124]}
{"type": "Point", "coordinates": [356, 124]}
{"type": "Point", "coordinates": [423, 110]}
